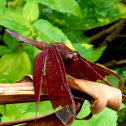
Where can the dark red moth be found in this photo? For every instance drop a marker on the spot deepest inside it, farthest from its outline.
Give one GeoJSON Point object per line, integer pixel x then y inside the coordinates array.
{"type": "Point", "coordinates": [58, 60]}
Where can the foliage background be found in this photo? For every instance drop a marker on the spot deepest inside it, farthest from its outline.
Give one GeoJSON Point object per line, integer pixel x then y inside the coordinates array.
{"type": "Point", "coordinates": [52, 21]}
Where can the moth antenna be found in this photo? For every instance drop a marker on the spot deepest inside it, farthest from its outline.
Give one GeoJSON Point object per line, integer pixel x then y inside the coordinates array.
{"type": "Point", "coordinates": [41, 45]}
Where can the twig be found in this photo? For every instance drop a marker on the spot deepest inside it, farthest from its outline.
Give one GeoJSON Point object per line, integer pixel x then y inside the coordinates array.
{"type": "Point", "coordinates": [113, 35]}
{"type": "Point", "coordinates": [18, 93]}
{"type": "Point", "coordinates": [114, 62]}
{"type": "Point", "coordinates": [124, 97]}
{"type": "Point", "coordinates": [117, 26]}
{"type": "Point", "coordinates": [121, 36]}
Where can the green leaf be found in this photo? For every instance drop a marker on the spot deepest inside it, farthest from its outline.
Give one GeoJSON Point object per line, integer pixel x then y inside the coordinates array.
{"type": "Point", "coordinates": [124, 73]}
{"type": "Point", "coordinates": [50, 33]}
{"type": "Point", "coordinates": [76, 36]}
{"type": "Point", "coordinates": [2, 3]}
{"type": "Point", "coordinates": [5, 119]}
{"type": "Point", "coordinates": [118, 10]}
{"type": "Point", "coordinates": [95, 54]}
{"type": "Point", "coordinates": [12, 111]}
{"type": "Point", "coordinates": [70, 6]}
{"type": "Point", "coordinates": [94, 15]}
{"type": "Point", "coordinates": [2, 110]}
{"type": "Point", "coordinates": [30, 52]}
{"type": "Point", "coordinates": [9, 41]}
{"type": "Point", "coordinates": [122, 113]}
{"type": "Point", "coordinates": [107, 117]}
{"type": "Point", "coordinates": [43, 107]}
{"type": "Point", "coordinates": [31, 10]}
{"type": "Point", "coordinates": [112, 80]}
{"type": "Point", "coordinates": [122, 106]}
{"type": "Point", "coordinates": [86, 51]}
{"type": "Point", "coordinates": [15, 22]}
{"type": "Point", "coordinates": [14, 65]}
{"type": "Point", "coordinates": [3, 50]}
{"type": "Point", "coordinates": [28, 115]}
{"type": "Point", "coordinates": [18, 111]}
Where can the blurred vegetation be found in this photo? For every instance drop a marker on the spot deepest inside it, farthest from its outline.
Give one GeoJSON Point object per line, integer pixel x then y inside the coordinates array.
{"type": "Point", "coordinates": [68, 21]}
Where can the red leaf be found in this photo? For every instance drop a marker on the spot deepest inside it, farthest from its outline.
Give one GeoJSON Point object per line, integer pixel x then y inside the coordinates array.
{"type": "Point", "coordinates": [57, 86]}
{"type": "Point", "coordinates": [38, 73]}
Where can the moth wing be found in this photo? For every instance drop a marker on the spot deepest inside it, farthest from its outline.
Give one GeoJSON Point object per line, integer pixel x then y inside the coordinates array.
{"type": "Point", "coordinates": [91, 71]}
{"type": "Point", "coordinates": [38, 73]}
{"type": "Point", "coordinates": [58, 88]}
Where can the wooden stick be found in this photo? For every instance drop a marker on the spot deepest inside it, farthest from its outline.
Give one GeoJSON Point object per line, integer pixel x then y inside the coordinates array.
{"type": "Point", "coordinates": [24, 92]}
{"type": "Point", "coordinates": [108, 30]}
{"type": "Point", "coordinates": [101, 95]}
{"type": "Point", "coordinates": [114, 62]}
{"type": "Point", "coordinates": [18, 93]}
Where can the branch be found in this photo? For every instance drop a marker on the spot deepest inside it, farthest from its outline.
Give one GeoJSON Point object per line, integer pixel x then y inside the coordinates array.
{"type": "Point", "coordinates": [99, 96]}
{"type": "Point", "coordinates": [114, 62]}
{"type": "Point", "coordinates": [18, 93]}
{"type": "Point", "coordinates": [113, 35]}
{"type": "Point", "coordinates": [116, 27]}
{"type": "Point", "coordinates": [24, 92]}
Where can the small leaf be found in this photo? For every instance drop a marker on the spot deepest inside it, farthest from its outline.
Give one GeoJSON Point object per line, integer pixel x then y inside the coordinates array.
{"type": "Point", "coordinates": [31, 10]}
{"type": "Point", "coordinates": [11, 112]}
{"type": "Point", "coordinates": [69, 6]}
{"type": "Point", "coordinates": [27, 115]}
{"type": "Point", "coordinates": [16, 111]}
{"type": "Point", "coordinates": [15, 22]}
{"type": "Point", "coordinates": [87, 51]}
{"type": "Point", "coordinates": [5, 119]}
{"type": "Point", "coordinates": [14, 66]}
{"type": "Point", "coordinates": [2, 110]}
{"type": "Point", "coordinates": [43, 107]}
{"type": "Point", "coordinates": [10, 109]}
{"type": "Point", "coordinates": [107, 117]}
{"type": "Point", "coordinates": [112, 80]}
{"type": "Point", "coordinates": [2, 3]}
{"type": "Point", "coordinates": [50, 33]}
{"type": "Point", "coordinates": [30, 52]}
{"type": "Point", "coordinates": [124, 73]}
{"type": "Point", "coordinates": [95, 54]}
{"type": "Point", "coordinates": [3, 50]}
{"type": "Point", "coordinates": [94, 15]}
{"type": "Point", "coordinates": [77, 36]}
{"type": "Point", "coordinates": [9, 41]}
{"type": "Point", "coordinates": [122, 106]}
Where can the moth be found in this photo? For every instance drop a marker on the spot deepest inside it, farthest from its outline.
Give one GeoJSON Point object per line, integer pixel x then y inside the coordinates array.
{"type": "Point", "coordinates": [54, 62]}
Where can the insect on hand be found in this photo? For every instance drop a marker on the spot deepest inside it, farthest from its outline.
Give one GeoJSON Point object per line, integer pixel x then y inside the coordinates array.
{"type": "Point", "coordinates": [59, 60]}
